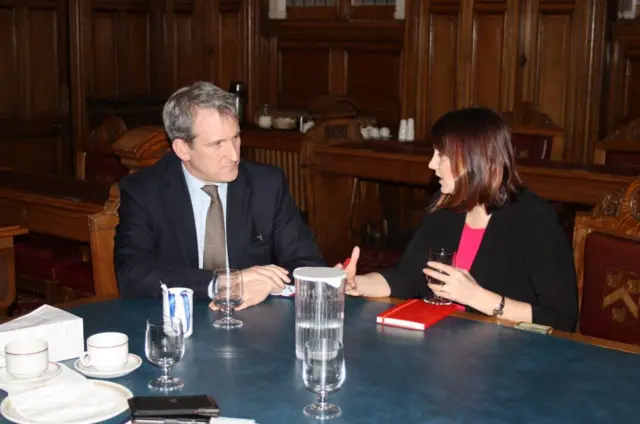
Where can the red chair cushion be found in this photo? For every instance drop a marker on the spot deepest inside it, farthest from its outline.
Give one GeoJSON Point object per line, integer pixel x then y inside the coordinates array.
{"type": "Point", "coordinates": [372, 260]}
{"type": "Point", "coordinates": [43, 257]}
{"type": "Point", "coordinates": [78, 277]}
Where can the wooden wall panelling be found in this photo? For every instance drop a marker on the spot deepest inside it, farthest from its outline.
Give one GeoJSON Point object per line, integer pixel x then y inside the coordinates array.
{"type": "Point", "coordinates": [624, 94]}
{"type": "Point", "coordinates": [438, 61]}
{"type": "Point", "coordinates": [303, 72]}
{"type": "Point", "coordinates": [184, 22]}
{"type": "Point", "coordinates": [557, 65]}
{"type": "Point", "coordinates": [373, 79]}
{"type": "Point", "coordinates": [489, 38]}
{"type": "Point", "coordinates": [120, 47]}
{"type": "Point", "coordinates": [231, 34]}
{"type": "Point", "coordinates": [34, 90]}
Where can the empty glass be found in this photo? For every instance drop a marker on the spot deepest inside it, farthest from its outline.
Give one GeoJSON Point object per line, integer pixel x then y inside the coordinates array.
{"type": "Point", "coordinates": [164, 347]}
{"type": "Point", "coordinates": [323, 372]}
{"type": "Point", "coordinates": [442, 256]}
{"type": "Point", "coordinates": [227, 295]}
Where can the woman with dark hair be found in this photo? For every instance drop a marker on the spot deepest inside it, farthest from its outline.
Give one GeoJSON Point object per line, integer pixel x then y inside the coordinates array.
{"type": "Point", "coordinates": [512, 258]}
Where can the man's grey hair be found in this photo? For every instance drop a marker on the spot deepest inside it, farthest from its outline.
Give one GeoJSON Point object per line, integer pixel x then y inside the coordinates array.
{"type": "Point", "coordinates": [180, 109]}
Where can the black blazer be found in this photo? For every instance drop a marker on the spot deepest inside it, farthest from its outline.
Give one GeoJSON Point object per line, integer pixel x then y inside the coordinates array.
{"type": "Point", "coordinates": [156, 237]}
{"type": "Point", "coordinates": [524, 255]}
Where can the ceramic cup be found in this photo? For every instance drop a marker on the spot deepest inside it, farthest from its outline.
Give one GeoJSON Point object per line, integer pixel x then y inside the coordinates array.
{"type": "Point", "coordinates": [27, 358]}
{"type": "Point", "coordinates": [106, 351]}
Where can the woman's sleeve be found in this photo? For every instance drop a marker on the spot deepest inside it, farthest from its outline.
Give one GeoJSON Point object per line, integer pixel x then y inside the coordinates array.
{"type": "Point", "coordinates": [407, 280]}
{"type": "Point", "coordinates": [549, 262]}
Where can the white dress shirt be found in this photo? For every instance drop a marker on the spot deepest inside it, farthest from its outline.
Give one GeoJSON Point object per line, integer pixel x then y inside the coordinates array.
{"type": "Point", "coordinates": [200, 202]}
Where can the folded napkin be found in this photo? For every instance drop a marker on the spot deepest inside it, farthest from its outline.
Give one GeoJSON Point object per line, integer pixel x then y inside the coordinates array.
{"type": "Point", "coordinates": [68, 402]}
{"type": "Point", "coordinates": [66, 376]}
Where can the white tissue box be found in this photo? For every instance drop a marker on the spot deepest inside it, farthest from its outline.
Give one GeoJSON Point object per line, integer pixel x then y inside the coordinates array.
{"type": "Point", "coordinates": [62, 330]}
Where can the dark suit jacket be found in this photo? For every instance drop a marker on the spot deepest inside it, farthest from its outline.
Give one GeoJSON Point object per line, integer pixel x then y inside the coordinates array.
{"type": "Point", "coordinates": [524, 255]}
{"type": "Point", "coordinates": [156, 237]}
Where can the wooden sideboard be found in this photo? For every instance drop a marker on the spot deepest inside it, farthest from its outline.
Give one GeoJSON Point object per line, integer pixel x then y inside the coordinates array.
{"type": "Point", "coordinates": [331, 171]}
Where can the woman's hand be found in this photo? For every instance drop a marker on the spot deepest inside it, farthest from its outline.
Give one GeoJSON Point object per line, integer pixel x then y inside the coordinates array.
{"type": "Point", "coordinates": [459, 286]}
{"type": "Point", "coordinates": [351, 288]}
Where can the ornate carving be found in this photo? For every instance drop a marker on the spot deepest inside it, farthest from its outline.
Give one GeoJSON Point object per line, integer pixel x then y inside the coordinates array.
{"type": "Point", "coordinates": [525, 114]}
{"type": "Point", "coordinates": [141, 147]}
{"type": "Point", "coordinates": [622, 294]}
{"type": "Point", "coordinates": [102, 138]}
{"type": "Point", "coordinates": [610, 206]}
{"type": "Point", "coordinates": [624, 139]}
{"type": "Point", "coordinates": [617, 215]}
{"type": "Point", "coordinates": [331, 106]}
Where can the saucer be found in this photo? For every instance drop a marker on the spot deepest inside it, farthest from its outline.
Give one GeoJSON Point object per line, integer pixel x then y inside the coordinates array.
{"type": "Point", "coordinates": [52, 370]}
{"type": "Point", "coordinates": [131, 365]}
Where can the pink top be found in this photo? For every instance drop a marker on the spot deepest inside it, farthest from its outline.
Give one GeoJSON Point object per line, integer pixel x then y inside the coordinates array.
{"type": "Point", "coordinates": [468, 247]}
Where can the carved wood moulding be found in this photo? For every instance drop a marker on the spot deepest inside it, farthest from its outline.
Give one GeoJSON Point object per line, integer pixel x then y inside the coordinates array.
{"type": "Point", "coordinates": [121, 5]}
{"type": "Point", "coordinates": [628, 133]}
{"type": "Point", "coordinates": [230, 6]}
{"type": "Point", "coordinates": [525, 116]}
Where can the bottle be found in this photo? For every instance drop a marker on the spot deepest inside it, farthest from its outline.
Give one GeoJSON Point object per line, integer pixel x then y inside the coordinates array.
{"type": "Point", "coordinates": [239, 90]}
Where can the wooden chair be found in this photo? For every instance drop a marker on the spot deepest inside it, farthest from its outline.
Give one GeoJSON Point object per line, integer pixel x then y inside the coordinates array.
{"type": "Point", "coordinates": [97, 161]}
{"type": "Point", "coordinates": [59, 269]}
{"type": "Point", "coordinates": [137, 149]}
{"type": "Point", "coordinates": [622, 148]}
{"type": "Point", "coordinates": [606, 250]}
{"type": "Point", "coordinates": [534, 134]}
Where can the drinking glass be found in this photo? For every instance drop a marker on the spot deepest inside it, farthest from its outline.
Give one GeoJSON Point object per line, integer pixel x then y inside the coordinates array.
{"type": "Point", "coordinates": [227, 295]}
{"type": "Point", "coordinates": [164, 347]}
{"type": "Point", "coordinates": [442, 256]}
{"type": "Point", "coordinates": [323, 372]}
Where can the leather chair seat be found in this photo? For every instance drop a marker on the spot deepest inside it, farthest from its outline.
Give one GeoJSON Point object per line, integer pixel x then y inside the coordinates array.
{"type": "Point", "coordinates": [79, 278]}
{"type": "Point", "coordinates": [44, 257]}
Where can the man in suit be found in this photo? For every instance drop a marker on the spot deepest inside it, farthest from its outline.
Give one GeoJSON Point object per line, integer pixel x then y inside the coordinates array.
{"type": "Point", "coordinates": [201, 207]}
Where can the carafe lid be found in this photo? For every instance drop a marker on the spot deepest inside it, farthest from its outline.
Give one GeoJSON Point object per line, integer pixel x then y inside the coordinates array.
{"type": "Point", "coordinates": [320, 274]}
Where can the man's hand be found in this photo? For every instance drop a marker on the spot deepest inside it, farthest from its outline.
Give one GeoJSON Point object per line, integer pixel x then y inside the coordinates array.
{"type": "Point", "coordinates": [258, 282]}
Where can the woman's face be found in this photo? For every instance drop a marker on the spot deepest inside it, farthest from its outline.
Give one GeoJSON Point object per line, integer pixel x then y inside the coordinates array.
{"type": "Point", "coordinates": [442, 168]}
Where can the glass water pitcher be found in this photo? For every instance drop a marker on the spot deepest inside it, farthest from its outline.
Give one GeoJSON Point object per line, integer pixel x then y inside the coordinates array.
{"type": "Point", "coordinates": [319, 304]}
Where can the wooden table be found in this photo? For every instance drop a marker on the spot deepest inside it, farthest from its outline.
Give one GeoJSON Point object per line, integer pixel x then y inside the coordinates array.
{"type": "Point", "coordinates": [7, 266]}
{"type": "Point", "coordinates": [332, 167]}
{"type": "Point", "coordinates": [50, 205]}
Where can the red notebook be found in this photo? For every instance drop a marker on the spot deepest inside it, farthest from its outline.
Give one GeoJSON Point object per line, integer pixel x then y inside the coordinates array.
{"type": "Point", "coordinates": [416, 314]}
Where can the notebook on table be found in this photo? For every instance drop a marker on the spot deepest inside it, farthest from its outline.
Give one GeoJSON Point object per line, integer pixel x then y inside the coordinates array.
{"type": "Point", "coordinates": [416, 314]}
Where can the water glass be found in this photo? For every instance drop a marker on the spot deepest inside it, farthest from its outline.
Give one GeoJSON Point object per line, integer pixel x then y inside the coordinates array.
{"type": "Point", "coordinates": [323, 372]}
{"type": "Point", "coordinates": [227, 295]}
{"type": "Point", "coordinates": [442, 256]}
{"type": "Point", "coordinates": [164, 347]}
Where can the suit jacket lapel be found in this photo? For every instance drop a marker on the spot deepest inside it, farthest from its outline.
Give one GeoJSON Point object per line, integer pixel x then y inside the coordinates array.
{"type": "Point", "coordinates": [178, 205]}
{"type": "Point", "coordinates": [238, 215]}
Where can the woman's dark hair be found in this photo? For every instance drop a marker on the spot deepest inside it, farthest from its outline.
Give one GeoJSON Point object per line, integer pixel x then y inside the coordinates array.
{"type": "Point", "coordinates": [477, 142]}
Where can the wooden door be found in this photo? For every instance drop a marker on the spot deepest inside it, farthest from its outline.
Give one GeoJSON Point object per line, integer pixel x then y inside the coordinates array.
{"type": "Point", "coordinates": [34, 92]}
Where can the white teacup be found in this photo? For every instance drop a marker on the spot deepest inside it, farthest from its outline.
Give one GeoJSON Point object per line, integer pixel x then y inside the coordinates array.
{"type": "Point", "coordinates": [106, 351]}
{"type": "Point", "coordinates": [27, 358]}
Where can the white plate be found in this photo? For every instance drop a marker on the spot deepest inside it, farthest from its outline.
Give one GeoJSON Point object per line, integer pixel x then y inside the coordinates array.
{"type": "Point", "coordinates": [52, 370]}
{"type": "Point", "coordinates": [7, 411]}
{"type": "Point", "coordinates": [131, 365]}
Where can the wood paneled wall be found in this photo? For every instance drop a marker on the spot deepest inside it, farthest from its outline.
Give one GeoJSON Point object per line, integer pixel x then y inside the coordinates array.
{"type": "Point", "coordinates": [34, 85]}
{"type": "Point", "coordinates": [69, 62]}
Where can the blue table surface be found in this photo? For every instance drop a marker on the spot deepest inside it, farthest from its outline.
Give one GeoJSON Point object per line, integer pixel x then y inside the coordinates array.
{"type": "Point", "coordinates": [458, 371]}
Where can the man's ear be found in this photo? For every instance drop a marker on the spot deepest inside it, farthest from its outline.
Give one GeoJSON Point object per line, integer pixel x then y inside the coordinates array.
{"type": "Point", "coordinates": [181, 149]}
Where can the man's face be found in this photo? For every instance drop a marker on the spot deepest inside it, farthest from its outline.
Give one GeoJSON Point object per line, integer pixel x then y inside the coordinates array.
{"type": "Point", "coordinates": [214, 153]}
